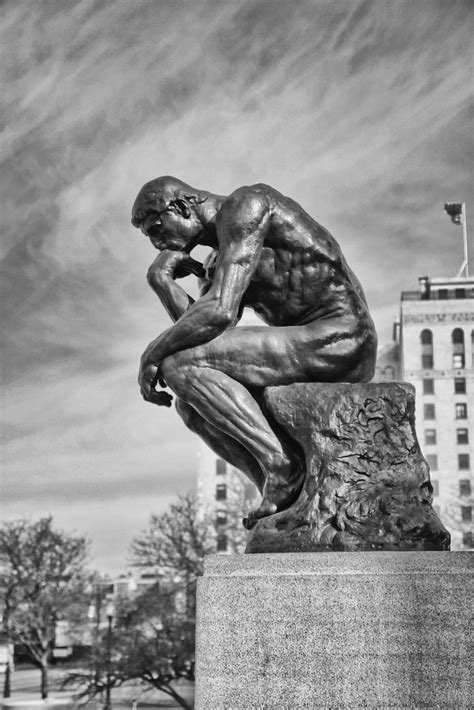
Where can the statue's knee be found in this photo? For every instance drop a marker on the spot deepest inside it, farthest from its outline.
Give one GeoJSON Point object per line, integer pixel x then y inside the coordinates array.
{"type": "Point", "coordinates": [177, 373]}
{"type": "Point", "coordinates": [169, 372]}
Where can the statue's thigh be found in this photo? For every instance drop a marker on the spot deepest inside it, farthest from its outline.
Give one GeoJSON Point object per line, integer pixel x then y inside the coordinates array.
{"type": "Point", "coordinates": [266, 356]}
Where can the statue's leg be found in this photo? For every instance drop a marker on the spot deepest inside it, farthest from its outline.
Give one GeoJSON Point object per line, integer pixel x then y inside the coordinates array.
{"type": "Point", "coordinates": [229, 407]}
{"type": "Point", "coordinates": [214, 379]}
{"type": "Point", "coordinates": [224, 446]}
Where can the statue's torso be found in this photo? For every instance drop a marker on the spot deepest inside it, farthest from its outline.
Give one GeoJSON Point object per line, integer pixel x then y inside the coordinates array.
{"type": "Point", "coordinates": [301, 275]}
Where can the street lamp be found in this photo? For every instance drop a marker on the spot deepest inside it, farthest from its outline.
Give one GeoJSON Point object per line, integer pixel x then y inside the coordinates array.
{"type": "Point", "coordinates": [109, 612]}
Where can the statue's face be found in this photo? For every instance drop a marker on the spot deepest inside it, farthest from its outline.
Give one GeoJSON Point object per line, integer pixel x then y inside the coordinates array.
{"type": "Point", "coordinates": [163, 222]}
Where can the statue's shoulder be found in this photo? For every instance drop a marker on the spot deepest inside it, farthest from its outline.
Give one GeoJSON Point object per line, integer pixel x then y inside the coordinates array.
{"type": "Point", "coordinates": [253, 199]}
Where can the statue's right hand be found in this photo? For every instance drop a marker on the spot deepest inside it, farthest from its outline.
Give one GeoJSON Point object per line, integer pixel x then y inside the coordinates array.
{"type": "Point", "coordinates": [174, 265]}
{"type": "Point", "coordinates": [162, 399]}
{"type": "Point", "coordinates": [147, 379]}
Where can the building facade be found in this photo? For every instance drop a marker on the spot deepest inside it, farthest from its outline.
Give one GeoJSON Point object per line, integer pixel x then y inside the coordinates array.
{"type": "Point", "coordinates": [436, 343]}
{"type": "Point", "coordinates": [225, 496]}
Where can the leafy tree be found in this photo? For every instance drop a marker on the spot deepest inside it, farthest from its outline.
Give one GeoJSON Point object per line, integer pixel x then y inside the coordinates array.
{"type": "Point", "coordinates": [42, 571]}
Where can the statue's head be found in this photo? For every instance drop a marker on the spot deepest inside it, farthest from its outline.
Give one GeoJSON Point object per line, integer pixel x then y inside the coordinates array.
{"type": "Point", "coordinates": [165, 211]}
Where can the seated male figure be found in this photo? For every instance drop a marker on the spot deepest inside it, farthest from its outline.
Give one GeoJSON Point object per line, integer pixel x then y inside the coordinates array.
{"type": "Point", "coordinates": [271, 256]}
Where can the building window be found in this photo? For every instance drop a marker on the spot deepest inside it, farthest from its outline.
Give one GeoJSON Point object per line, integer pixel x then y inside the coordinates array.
{"type": "Point", "coordinates": [435, 487]}
{"type": "Point", "coordinates": [430, 436]}
{"type": "Point", "coordinates": [221, 491]}
{"type": "Point", "coordinates": [461, 410]}
{"type": "Point", "coordinates": [459, 385]}
{"type": "Point", "coordinates": [462, 436]}
{"type": "Point", "coordinates": [467, 539]}
{"type": "Point", "coordinates": [460, 293]}
{"type": "Point", "coordinates": [220, 467]}
{"type": "Point", "coordinates": [443, 294]}
{"type": "Point", "coordinates": [427, 361]}
{"type": "Point", "coordinates": [463, 462]}
{"type": "Point", "coordinates": [466, 513]}
{"type": "Point", "coordinates": [432, 461]}
{"type": "Point", "coordinates": [222, 543]}
{"type": "Point", "coordinates": [428, 386]}
{"type": "Point", "coordinates": [429, 411]}
{"type": "Point", "coordinates": [465, 487]}
{"type": "Point", "coordinates": [426, 338]}
{"type": "Point", "coordinates": [457, 338]}
{"type": "Point", "coordinates": [221, 517]}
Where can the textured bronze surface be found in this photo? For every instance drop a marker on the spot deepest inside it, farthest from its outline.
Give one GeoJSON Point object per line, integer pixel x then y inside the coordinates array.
{"type": "Point", "coordinates": [367, 485]}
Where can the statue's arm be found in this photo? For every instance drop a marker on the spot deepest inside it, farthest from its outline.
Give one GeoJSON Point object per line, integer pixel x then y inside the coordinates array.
{"type": "Point", "coordinates": [241, 228]}
{"type": "Point", "coordinates": [168, 266]}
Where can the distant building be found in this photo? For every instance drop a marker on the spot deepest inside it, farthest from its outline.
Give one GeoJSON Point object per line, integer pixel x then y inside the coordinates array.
{"type": "Point", "coordinates": [433, 349]}
{"type": "Point", "coordinates": [437, 357]}
{"type": "Point", "coordinates": [225, 495]}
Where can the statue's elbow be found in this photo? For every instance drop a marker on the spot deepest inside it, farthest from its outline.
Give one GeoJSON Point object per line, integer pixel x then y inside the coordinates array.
{"type": "Point", "coordinates": [224, 318]}
{"type": "Point", "coordinates": [156, 281]}
{"type": "Point", "coordinates": [151, 278]}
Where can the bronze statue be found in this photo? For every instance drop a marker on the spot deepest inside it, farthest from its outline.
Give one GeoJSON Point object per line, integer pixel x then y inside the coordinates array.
{"type": "Point", "coordinates": [267, 254]}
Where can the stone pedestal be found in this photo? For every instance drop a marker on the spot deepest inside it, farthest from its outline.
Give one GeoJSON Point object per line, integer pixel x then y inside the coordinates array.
{"type": "Point", "coordinates": [335, 630]}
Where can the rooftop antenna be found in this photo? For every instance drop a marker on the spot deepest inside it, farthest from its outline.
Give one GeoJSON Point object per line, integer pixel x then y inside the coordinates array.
{"type": "Point", "coordinates": [458, 214]}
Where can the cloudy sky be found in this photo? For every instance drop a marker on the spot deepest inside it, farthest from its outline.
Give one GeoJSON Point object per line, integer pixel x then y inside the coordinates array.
{"type": "Point", "coordinates": [359, 110]}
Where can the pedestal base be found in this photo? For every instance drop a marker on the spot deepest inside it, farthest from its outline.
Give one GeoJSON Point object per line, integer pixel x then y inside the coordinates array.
{"type": "Point", "coordinates": [335, 630]}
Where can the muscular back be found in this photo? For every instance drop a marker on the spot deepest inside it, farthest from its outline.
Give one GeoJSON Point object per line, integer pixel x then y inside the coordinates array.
{"type": "Point", "coordinates": [299, 274]}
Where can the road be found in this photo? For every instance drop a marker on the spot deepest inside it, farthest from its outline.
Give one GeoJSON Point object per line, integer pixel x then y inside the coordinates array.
{"type": "Point", "coordinates": [25, 686]}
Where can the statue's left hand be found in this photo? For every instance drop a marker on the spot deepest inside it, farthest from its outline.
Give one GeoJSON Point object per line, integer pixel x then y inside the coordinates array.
{"type": "Point", "coordinates": [147, 379]}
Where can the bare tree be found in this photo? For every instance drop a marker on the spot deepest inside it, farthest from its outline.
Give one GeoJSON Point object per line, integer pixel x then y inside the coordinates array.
{"type": "Point", "coordinates": [176, 541]}
{"type": "Point", "coordinates": [152, 642]}
{"type": "Point", "coordinates": [42, 570]}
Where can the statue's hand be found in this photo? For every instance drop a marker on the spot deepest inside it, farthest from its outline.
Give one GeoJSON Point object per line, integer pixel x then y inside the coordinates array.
{"type": "Point", "coordinates": [147, 379]}
{"type": "Point", "coordinates": [174, 265]}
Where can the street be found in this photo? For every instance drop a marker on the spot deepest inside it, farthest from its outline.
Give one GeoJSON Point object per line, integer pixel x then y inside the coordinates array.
{"type": "Point", "coordinates": [25, 689]}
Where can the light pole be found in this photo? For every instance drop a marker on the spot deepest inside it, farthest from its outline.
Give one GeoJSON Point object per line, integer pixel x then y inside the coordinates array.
{"type": "Point", "coordinates": [109, 611]}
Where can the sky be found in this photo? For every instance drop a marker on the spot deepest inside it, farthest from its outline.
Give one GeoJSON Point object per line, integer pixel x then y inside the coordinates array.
{"type": "Point", "coordinates": [360, 110]}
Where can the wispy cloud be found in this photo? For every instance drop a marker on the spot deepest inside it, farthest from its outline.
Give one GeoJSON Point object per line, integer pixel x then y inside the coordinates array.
{"type": "Point", "coordinates": [357, 110]}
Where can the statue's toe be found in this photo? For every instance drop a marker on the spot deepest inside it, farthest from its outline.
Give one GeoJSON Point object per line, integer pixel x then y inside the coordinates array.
{"type": "Point", "coordinates": [265, 509]}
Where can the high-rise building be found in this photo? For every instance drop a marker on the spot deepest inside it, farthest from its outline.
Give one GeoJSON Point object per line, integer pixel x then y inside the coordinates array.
{"type": "Point", "coordinates": [436, 342]}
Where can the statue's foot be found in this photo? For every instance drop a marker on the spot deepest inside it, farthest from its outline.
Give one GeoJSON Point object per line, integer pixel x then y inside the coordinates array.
{"type": "Point", "coordinates": [278, 494]}
{"type": "Point", "coordinates": [264, 509]}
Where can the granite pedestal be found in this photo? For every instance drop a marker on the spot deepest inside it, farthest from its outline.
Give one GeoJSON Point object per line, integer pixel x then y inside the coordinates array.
{"type": "Point", "coordinates": [335, 630]}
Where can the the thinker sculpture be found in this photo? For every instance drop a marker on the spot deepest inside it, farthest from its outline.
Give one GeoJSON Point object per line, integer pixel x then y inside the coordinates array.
{"type": "Point", "coordinates": [267, 254]}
